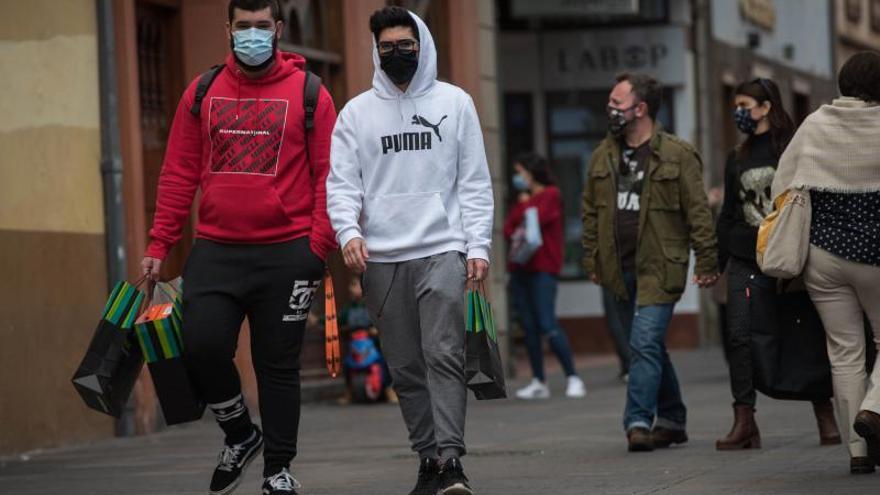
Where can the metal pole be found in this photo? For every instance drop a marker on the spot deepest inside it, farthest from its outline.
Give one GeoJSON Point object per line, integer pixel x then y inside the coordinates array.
{"type": "Point", "coordinates": [111, 169]}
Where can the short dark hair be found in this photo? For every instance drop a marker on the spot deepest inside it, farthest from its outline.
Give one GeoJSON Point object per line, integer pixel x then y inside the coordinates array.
{"type": "Point", "coordinates": [646, 89]}
{"type": "Point", "coordinates": [254, 6]}
{"type": "Point", "coordinates": [860, 76]}
{"type": "Point", "coordinates": [390, 17]}
{"type": "Point", "coordinates": [536, 165]}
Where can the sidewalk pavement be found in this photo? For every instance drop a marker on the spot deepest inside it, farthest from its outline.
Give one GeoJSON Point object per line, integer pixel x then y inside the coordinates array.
{"type": "Point", "coordinates": [555, 447]}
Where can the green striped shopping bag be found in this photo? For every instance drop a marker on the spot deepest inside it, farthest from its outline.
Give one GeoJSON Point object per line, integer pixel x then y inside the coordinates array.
{"type": "Point", "coordinates": [484, 370]}
{"type": "Point", "coordinates": [110, 368]}
{"type": "Point", "coordinates": [160, 335]}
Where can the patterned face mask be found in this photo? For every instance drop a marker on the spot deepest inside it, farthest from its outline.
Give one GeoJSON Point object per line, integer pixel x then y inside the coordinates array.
{"type": "Point", "coordinates": [744, 121]}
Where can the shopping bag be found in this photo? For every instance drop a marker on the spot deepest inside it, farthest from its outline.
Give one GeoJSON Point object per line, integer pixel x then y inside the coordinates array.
{"type": "Point", "coordinates": [332, 351]}
{"type": "Point", "coordinates": [784, 236]}
{"type": "Point", "coordinates": [159, 332]}
{"type": "Point", "coordinates": [484, 370]}
{"type": "Point", "coordinates": [112, 363]}
{"type": "Point", "coordinates": [788, 344]}
{"type": "Point", "coordinates": [526, 239]}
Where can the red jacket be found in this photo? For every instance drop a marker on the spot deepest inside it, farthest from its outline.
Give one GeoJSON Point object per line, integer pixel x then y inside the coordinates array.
{"type": "Point", "coordinates": [246, 153]}
{"type": "Point", "coordinates": [548, 258]}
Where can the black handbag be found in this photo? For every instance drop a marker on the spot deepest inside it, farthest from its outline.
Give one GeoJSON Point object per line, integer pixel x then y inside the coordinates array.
{"type": "Point", "coordinates": [788, 344]}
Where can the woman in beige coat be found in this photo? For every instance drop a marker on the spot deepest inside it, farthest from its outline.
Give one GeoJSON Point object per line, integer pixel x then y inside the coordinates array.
{"type": "Point", "coordinates": [836, 156]}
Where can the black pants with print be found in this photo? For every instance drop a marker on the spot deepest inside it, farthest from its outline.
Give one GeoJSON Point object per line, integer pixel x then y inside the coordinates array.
{"type": "Point", "coordinates": [273, 286]}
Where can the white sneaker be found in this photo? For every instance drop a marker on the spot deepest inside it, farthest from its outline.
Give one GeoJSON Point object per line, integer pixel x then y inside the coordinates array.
{"type": "Point", "coordinates": [534, 390]}
{"type": "Point", "coordinates": [575, 388]}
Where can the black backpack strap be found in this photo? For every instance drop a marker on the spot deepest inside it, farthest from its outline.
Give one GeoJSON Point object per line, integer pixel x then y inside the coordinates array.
{"type": "Point", "coordinates": [204, 83]}
{"type": "Point", "coordinates": [311, 90]}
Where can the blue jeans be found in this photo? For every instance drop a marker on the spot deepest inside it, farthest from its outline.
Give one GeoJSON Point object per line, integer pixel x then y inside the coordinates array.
{"type": "Point", "coordinates": [534, 297]}
{"type": "Point", "coordinates": [653, 388]}
{"type": "Point", "coordinates": [619, 326]}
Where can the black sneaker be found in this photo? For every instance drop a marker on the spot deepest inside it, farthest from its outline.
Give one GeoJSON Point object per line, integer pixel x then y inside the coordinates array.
{"type": "Point", "coordinates": [281, 484]}
{"type": "Point", "coordinates": [429, 476]}
{"type": "Point", "coordinates": [234, 459]}
{"type": "Point", "coordinates": [452, 479]}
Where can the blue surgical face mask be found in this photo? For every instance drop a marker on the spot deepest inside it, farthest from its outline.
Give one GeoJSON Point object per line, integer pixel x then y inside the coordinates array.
{"type": "Point", "coordinates": [253, 46]}
{"type": "Point", "coordinates": [519, 183]}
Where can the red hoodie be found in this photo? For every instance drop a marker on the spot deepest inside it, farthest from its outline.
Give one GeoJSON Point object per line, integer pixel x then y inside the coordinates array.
{"type": "Point", "coordinates": [246, 153]}
{"type": "Point", "coordinates": [548, 258]}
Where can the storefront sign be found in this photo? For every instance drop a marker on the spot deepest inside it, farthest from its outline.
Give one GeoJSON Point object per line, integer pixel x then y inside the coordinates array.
{"type": "Point", "coordinates": [591, 59]}
{"type": "Point", "coordinates": [576, 8]}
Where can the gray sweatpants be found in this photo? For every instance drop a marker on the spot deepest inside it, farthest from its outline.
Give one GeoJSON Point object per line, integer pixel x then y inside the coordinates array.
{"type": "Point", "coordinates": [418, 306]}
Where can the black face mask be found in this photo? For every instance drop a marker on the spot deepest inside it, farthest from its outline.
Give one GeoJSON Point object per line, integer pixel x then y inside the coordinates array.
{"type": "Point", "coordinates": [617, 120]}
{"type": "Point", "coordinates": [744, 121]}
{"type": "Point", "coordinates": [399, 67]}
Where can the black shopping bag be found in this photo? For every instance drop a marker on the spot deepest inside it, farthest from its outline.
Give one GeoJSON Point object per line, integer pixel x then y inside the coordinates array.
{"type": "Point", "coordinates": [110, 368]}
{"type": "Point", "coordinates": [159, 333]}
{"type": "Point", "coordinates": [484, 371]}
{"type": "Point", "coordinates": [789, 352]}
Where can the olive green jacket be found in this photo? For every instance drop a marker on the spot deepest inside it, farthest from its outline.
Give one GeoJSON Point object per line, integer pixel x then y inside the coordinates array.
{"type": "Point", "coordinates": [674, 216]}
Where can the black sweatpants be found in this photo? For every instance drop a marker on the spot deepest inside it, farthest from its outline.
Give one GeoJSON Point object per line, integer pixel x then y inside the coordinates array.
{"type": "Point", "coordinates": [273, 286]}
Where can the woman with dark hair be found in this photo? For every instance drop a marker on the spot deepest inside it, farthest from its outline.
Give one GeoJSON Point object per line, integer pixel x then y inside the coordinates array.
{"type": "Point", "coordinates": [748, 175]}
{"type": "Point", "coordinates": [835, 155]}
{"type": "Point", "coordinates": [533, 284]}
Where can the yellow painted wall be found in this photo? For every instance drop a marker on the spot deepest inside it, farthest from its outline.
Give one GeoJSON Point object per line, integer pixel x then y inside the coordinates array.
{"type": "Point", "coordinates": [51, 220]}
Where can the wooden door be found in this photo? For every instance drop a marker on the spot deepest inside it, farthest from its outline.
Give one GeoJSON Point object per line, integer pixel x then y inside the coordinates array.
{"type": "Point", "coordinates": [161, 85]}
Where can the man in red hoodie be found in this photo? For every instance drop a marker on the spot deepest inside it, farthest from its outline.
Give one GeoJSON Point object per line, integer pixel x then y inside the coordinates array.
{"type": "Point", "coordinates": [262, 238]}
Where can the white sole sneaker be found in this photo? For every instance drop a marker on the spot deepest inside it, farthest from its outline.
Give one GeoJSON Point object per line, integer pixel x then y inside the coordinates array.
{"type": "Point", "coordinates": [253, 454]}
{"type": "Point", "coordinates": [575, 389]}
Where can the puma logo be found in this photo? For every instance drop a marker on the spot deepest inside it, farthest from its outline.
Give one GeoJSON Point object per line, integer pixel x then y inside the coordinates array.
{"type": "Point", "coordinates": [419, 120]}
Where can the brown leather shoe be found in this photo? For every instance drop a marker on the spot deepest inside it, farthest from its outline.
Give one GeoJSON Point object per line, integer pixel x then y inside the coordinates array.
{"type": "Point", "coordinates": [867, 425]}
{"type": "Point", "coordinates": [639, 440]}
{"type": "Point", "coordinates": [664, 437]}
{"type": "Point", "coordinates": [828, 432]}
{"type": "Point", "coordinates": [744, 434]}
{"type": "Point", "coordinates": [861, 465]}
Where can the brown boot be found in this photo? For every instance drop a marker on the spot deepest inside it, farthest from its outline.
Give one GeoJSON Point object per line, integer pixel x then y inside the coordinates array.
{"type": "Point", "coordinates": [744, 434]}
{"type": "Point", "coordinates": [828, 432]}
{"type": "Point", "coordinates": [867, 425]}
{"type": "Point", "coordinates": [639, 440]}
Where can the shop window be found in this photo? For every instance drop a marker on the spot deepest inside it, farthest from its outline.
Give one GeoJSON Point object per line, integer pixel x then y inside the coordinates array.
{"type": "Point", "coordinates": [313, 29]}
{"type": "Point", "coordinates": [729, 134]}
{"type": "Point", "coordinates": [801, 107]}
{"type": "Point", "coordinates": [853, 11]}
{"type": "Point", "coordinates": [875, 16]}
{"type": "Point", "coordinates": [435, 13]}
{"type": "Point", "coordinates": [576, 123]}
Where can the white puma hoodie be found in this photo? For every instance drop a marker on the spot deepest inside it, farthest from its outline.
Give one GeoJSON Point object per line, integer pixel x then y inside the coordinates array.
{"type": "Point", "coordinates": [408, 170]}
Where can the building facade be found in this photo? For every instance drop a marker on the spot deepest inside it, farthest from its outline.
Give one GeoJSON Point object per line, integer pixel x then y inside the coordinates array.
{"type": "Point", "coordinates": [857, 28]}
{"type": "Point", "coordinates": [52, 252]}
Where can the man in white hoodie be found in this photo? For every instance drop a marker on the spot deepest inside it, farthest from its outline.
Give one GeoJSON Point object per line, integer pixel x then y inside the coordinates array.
{"type": "Point", "coordinates": [410, 197]}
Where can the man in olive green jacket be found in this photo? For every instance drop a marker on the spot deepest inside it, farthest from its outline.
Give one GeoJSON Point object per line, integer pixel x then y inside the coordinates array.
{"type": "Point", "coordinates": [644, 208]}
